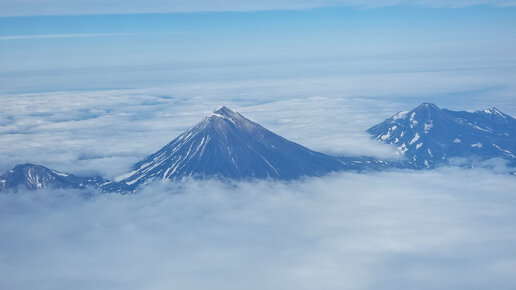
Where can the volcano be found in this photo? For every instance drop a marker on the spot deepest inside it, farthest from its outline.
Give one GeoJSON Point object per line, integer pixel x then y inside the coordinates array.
{"type": "Point", "coordinates": [227, 145]}
{"type": "Point", "coordinates": [429, 136]}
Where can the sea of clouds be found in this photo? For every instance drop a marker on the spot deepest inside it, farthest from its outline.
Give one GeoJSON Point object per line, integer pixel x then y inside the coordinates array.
{"type": "Point", "coordinates": [449, 228]}
{"type": "Point", "coordinates": [106, 131]}
{"type": "Point", "coordinates": [444, 229]}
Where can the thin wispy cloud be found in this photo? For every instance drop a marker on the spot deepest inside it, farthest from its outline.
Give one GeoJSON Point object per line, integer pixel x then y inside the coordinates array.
{"type": "Point", "coordinates": [77, 7]}
{"type": "Point", "coordinates": [85, 35]}
{"type": "Point", "coordinates": [45, 36]}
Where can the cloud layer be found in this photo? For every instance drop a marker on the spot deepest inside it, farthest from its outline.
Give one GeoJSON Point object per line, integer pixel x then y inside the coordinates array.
{"type": "Point", "coordinates": [106, 131]}
{"type": "Point", "coordinates": [447, 229]}
{"type": "Point", "coordinates": [59, 7]}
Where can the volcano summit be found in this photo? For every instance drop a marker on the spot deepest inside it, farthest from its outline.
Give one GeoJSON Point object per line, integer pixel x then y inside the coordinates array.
{"type": "Point", "coordinates": [229, 146]}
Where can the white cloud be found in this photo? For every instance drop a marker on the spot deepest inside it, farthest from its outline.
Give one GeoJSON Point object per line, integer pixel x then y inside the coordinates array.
{"type": "Point", "coordinates": [83, 35]}
{"type": "Point", "coordinates": [445, 229]}
{"type": "Point", "coordinates": [105, 132]}
{"type": "Point", "coordinates": [43, 36]}
{"type": "Point", "coordinates": [60, 7]}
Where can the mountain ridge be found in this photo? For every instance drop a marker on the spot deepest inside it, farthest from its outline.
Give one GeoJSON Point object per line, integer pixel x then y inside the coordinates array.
{"type": "Point", "coordinates": [429, 136]}
{"type": "Point", "coordinates": [226, 145]}
{"type": "Point", "coordinates": [33, 177]}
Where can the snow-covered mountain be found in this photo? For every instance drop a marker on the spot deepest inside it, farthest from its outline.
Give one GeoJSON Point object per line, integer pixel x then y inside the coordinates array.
{"type": "Point", "coordinates": [428, 135]}
{"type": "Point", "coordinates": [229, 146]}
{"type": "Point", "coordinates": [224, 145]}
{"type": "Point", "coordinates": [31, 177]}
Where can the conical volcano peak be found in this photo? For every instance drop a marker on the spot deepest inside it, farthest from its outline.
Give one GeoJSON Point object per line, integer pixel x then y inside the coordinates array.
{"type": "Point", "coordinates": [420, 113]}
{"type": "Point", "coordinates": [228, 145]}
{"type": "Point", "coordinates": [426, 112]}
{"type": "Point", "coordinates": [25, 165]}
{"type": "Point", "coordinates": [225, 112]}
{"type": "Point", "coordinates": [428, 107]}
{"type": "Point", "coordinates": [28, 167]}
{"type": "Point", "coordinates": [225, 116]}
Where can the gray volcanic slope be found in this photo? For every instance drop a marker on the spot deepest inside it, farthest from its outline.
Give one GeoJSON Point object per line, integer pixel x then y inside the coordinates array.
{"type": "Point", "coordinates": [429, 136]}
{"type": "Point", "coordinates": [229, 146]}
{"type": "Point", "coordinates": [31, 177]}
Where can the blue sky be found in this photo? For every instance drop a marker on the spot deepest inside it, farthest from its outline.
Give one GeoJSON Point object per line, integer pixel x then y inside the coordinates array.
{"type": "Point", "coordinates": [201, 46]}
{"type": "Point", "coordinates": [76, 7]}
